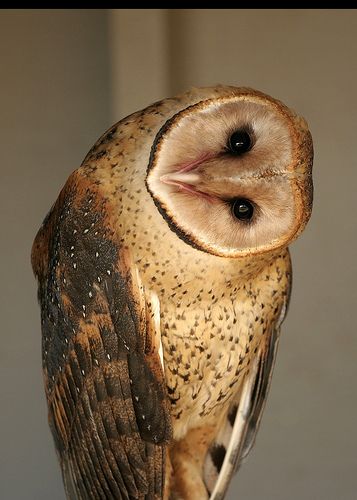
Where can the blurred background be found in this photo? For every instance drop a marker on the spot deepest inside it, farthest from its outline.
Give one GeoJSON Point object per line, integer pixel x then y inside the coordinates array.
{"type": "Point", "coordinates": [66, 76]}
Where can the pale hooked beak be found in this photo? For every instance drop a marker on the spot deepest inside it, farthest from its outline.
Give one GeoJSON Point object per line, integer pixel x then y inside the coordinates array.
{"type": "Point", "coordinates": [188, 182]}
{"type": "Point", "coordinates": [181, 178]}
{"type": "Point", "coordinates": [186, 175]}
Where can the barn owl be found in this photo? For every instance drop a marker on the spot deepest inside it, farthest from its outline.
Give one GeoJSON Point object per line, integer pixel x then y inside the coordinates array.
{"type": "Point", "coordinates": [164, 276]}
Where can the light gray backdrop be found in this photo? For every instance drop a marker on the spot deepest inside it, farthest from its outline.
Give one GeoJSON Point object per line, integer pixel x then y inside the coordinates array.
{"type": "Point", "coordinates": [66, 76]}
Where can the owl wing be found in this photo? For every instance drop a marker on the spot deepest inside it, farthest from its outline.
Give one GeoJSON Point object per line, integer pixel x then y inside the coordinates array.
{"type": "Point", "coordinates": [238, 435]}
{"type": "Point", "coordinates": [105, 389]}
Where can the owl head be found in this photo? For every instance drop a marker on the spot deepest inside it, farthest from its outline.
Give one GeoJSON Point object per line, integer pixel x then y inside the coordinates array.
{"type": "Point", "coordinates": [231, 174]}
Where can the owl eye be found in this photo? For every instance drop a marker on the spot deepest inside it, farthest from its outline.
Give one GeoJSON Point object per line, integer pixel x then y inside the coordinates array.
{"type": "Point", "coordinates": [240, 142]}
{"type": "Point", "coordinates": [242, 209]}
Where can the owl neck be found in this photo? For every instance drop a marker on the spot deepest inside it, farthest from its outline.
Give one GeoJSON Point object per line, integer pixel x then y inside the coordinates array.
{"type": "Point", "coordinates": [240, 269]}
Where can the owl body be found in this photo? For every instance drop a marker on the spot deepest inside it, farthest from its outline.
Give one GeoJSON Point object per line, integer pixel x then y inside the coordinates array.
{"type": "Point", "coordinates": [210, 299]}
{"type": "Point", "coordinates": [214, 311]}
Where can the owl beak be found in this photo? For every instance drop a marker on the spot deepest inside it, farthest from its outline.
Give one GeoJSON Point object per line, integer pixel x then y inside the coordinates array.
{"type": "Point", "coordinates": [188, 182]}
{"type": "Point", "coordinates": [181, 178]}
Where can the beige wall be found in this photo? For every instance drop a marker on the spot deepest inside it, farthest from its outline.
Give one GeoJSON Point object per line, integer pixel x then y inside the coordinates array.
{"type": "Point", "coordinates": [53, 105]}
{"type": "Point", "coordinates": [65, 76]}
{"type": "Point", "coordinates": [139, 51]}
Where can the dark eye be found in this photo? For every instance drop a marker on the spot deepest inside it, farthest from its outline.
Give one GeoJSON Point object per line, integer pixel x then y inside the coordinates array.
{"type": "Point", "coordinates": [242, 209]}
{"type": "Point", "coordinates": [240, 142]}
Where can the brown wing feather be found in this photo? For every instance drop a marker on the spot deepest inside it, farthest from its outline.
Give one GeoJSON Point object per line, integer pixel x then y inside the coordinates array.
{"type": "Point", "coordinates": [107, 403]}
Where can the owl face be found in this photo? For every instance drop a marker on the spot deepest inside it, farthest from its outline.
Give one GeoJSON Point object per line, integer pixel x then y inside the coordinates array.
{"type": "Point", "coordinates": [232, 175]}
